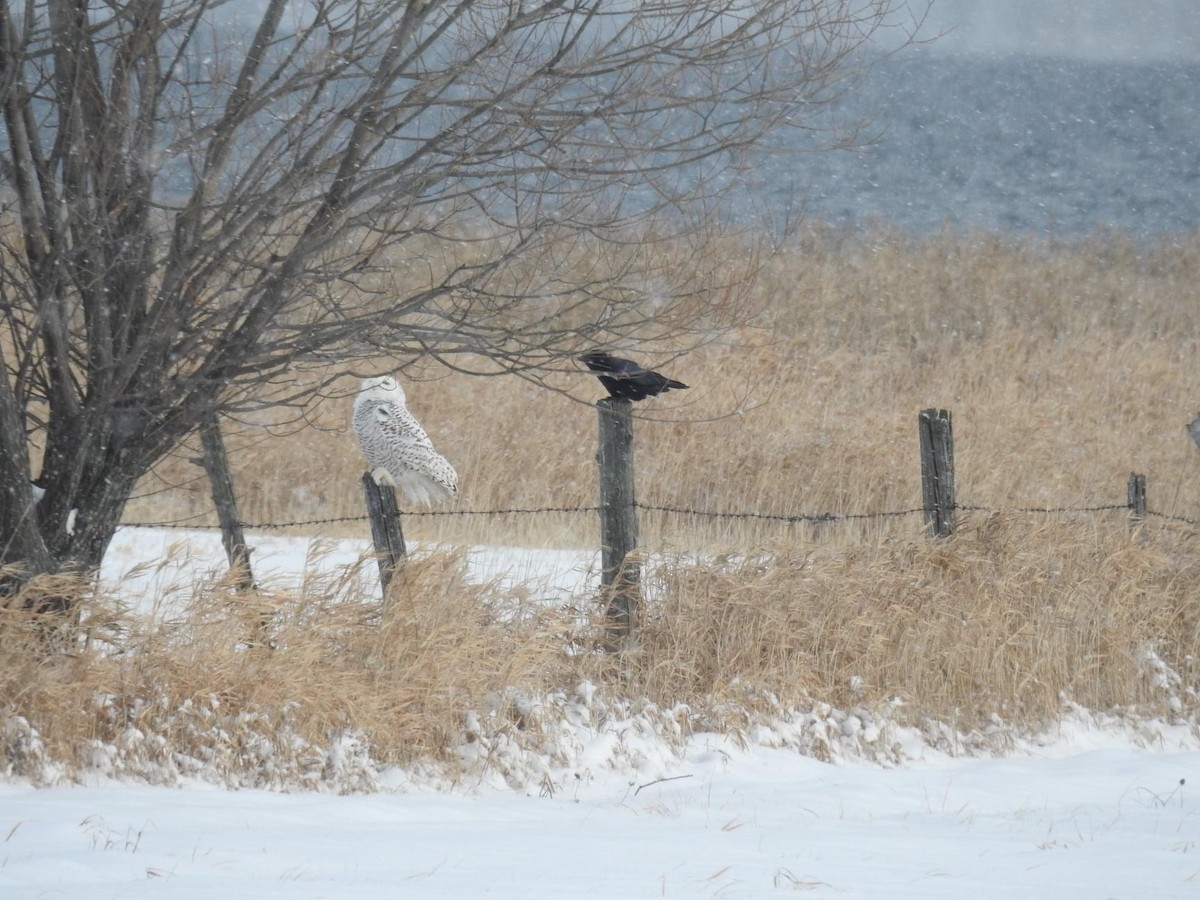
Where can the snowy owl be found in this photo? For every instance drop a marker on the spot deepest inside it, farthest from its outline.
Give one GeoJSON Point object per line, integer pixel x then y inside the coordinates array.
{"type": "Point", "coordinates": [396, 446]}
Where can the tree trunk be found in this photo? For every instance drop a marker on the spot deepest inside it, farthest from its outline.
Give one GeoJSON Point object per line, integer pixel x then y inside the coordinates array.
{"type": "Point", "coordinates": [315, 154]}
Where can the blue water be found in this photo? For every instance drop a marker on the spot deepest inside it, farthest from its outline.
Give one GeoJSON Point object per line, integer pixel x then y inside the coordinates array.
{"type": "Point", "coordinates": [1016, 144]}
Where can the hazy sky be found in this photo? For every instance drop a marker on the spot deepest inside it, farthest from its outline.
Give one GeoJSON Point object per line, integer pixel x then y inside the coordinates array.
{"type": "Point", "coordinates": [1095, 29]}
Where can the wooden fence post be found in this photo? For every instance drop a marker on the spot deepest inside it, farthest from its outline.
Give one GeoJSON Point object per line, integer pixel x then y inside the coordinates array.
{"type": "Point", "coordinates": [1136, 492]}
{"type": "Point", "coordinates": [620, 573]}
{"type": "Point", "coordinates": [937, 470]}
{"type": "Point", "coordinates": [385, 529]}
{"type": "Point", "coordinates": [216, 464]}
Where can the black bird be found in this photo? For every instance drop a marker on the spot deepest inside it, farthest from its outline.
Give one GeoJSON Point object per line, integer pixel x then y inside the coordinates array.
{"type": "Point", "coordinates": [625, 379]}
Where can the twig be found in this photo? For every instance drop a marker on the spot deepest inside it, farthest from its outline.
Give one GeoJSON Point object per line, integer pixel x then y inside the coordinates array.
{"type": "Point", "coordinates": [659, 781]}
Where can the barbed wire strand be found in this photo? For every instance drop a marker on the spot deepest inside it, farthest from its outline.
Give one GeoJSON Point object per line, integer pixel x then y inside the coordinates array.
{"type": "Point", "coordinates": [1107, 507]}
{"type": "Point", "coordinates": [794, 518]}
{"type": "Point", "coordinates": [1185, 520]}
{"type": "Point", "coordinates": [791, 519]}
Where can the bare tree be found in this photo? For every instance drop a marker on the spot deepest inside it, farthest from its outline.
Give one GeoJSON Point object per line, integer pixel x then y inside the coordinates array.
{"type": "Point", "coordinates": [202, 196]}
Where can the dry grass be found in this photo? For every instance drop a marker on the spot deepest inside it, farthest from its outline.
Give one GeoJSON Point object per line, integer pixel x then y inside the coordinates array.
{"type": "Point", "coordinates": [1001, 624]}
{"type": "Point", "coordinates": [1066, 367]}
{"type": "Point", "coordinates": [1004, 620]}
{"type": "Point", "coordinates": [253, 688]}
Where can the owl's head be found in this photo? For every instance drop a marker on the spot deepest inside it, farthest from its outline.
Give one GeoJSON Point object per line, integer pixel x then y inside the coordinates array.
{"type": "Point", "coordinates": [385, 385]}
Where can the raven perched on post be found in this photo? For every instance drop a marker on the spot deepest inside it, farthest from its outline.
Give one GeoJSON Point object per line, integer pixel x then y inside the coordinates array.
{"type": "Point", "coordinates": [625, 379]}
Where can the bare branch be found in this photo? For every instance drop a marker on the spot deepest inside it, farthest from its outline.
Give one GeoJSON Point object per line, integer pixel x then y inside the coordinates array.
{"type": "Point", "coordinates": [200, 199]}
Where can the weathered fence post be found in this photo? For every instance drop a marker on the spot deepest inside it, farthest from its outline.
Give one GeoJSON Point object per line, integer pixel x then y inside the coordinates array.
{"type": "Point", "coordinates": [1136, 492]}
{"type": "Point", "coordinates": [937, 471]}
{"type": "Point", "coordinates": [385, 528]}
{"type": "Point", "coordinates": [620, 573]}
{"type": "Point", "coordinates": [216, 464]}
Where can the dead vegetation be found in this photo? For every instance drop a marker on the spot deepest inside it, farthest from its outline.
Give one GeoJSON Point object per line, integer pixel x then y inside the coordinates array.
{"type": "Point", "coordinates": [253, 688]}
{"type": "Point", "coordinates": [1066, 367]}
{"type": "Point", "coordinates": [1005, 620]}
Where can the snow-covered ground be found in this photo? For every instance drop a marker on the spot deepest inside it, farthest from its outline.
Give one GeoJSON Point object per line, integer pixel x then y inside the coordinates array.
{"type": "Point", "coordinates": [1088, 818]}
{"type": "Point", "coordinates": [150, 564]}
{"type": "Point", "coordinates": [1095, 810]}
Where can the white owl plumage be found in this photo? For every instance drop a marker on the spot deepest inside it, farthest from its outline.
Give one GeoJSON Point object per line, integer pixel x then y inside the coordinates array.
{"type": "Point", "coordinates": [396, 446]}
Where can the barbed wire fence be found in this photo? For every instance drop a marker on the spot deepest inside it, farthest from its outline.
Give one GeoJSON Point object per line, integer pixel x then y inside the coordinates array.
{"type": "Point", "coordinates": [822, 518]}
{"type": "Point", "coordinates": [618, 509]}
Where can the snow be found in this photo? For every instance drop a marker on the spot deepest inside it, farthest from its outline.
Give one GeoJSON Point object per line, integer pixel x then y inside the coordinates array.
{"type": "Point", "coordinates": [151, 564]}
{"type": "Point", "coordinates": [1111, 822]}
{"type": "Point", "coordinates": [1098, 808]}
